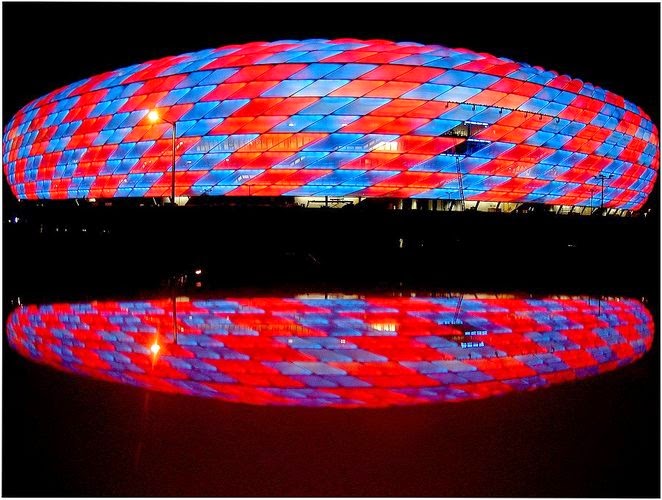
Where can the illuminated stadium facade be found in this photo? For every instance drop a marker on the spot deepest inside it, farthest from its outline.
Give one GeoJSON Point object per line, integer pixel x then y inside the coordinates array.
{"type": "Point", "coordinates": [336, 119]}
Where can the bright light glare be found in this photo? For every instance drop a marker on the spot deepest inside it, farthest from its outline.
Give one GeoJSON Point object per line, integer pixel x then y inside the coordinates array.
{"type": "Point", "coordinates": [153, 116]}
{"type": "Point", "coordinates": [198, 271]}
{"type": "Point", "coordinates": [155, 348]}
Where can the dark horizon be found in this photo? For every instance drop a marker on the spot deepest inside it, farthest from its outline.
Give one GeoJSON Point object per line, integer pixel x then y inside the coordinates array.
{"type": "Point", "coordinates": [66, 435]}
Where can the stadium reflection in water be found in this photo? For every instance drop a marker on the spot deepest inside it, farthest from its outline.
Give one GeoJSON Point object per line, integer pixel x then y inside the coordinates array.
{"type": "Point", "coordinates": [337, 350]}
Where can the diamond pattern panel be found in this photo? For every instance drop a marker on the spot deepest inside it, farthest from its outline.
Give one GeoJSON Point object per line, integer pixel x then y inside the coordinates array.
{"type": "Point", "coordinates": [344, 351]}
{"type": "Point", "coordinates": [311, 105]}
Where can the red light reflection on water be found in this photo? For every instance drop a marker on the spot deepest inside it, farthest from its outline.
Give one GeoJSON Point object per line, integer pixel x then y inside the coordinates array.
{"type": "Point", "coordinates": [342, 351]}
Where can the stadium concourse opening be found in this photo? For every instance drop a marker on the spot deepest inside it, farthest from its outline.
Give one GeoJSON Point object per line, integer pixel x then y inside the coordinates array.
{"type": "Point", "coordinates": [348, 203]}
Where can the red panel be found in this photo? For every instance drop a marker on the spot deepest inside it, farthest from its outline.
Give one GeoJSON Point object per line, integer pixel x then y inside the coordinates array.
{"type": "Point", "coordinates": [501, 69]}
{"type": "Point", "coordinates": [298, 141]}
{"type": "Point", "coordinates": [270, 176]}
{"type": "Point", "coordinates": [270, 158]}
{"type": "Point", "coordinates": [302, 177]}
{"type": "Point", "coordinates": [431, 109]}
{"type": "Point", "coordinates": [528, 89]}
{"type": "Point", "coordinates": [402, 125]}
{"type": "Point", "coordinates": [349, 56]}
{"type": "Point", "coordinates": [513, 119]}
{"type": "Point", "coordinates": [386, 72]}
{"type": "Point", "coordinates": [356, 88]}
{"type": "Point", "coordinates": [486, 97]}
{"type": "Point", "coordinates": [392, 89]}
{"type": "Point", "coordinates": [249, 74]}
{"type": "Point", "coordinates": [494, 132]}
{"type": "Point", "coordinates": [397, 107]}
{"type": "Point", "coordinates": [406, 161]}
{"type": "Point", "coordinates": [230, 125]}
{"type": "Point", "coordinates": [507, 85]}
{"type": "Point", "coordinates": [381, 58]}
{"type": "Point", "coordinates": [253, 89]}
{"type": "Point", "coordinates": [420, 74]}
{"type": "Point", "coordinates": [518, 135]}
{"type": "Point", "coordinates": [426, 180]}
{"type": "Point", "coordinates": [258, 106]}
{"type": "Point", "coordinates": [222, 91]}
{"type": "Point", "coordinates": [511, 101]}
{"type": "Point", "coordinates": [265, 141]}
{"type": "Point", "coordinates": [520, 152]}
{"type": "Point", "coordinates": [367, 124]}
{"type": "Point", "coordinates": [291, 106]}
{"type": "Point", "coordinates": [416, 143]}
{"type": "Point", "coordinates": [370, 161]}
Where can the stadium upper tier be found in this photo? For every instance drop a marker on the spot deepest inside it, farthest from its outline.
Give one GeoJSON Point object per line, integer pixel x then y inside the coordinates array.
{"type": "Point", "coordinates": [335, 118]}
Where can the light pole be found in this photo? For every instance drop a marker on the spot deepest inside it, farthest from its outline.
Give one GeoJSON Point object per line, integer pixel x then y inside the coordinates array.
{"type": "Point", "coordinates": [602, 178]}
{"type": "Point", "coordinates": [155, 117]}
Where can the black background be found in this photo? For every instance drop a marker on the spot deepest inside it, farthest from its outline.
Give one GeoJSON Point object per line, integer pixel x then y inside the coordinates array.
{"type": "Point", "coordinates": [66, 435]}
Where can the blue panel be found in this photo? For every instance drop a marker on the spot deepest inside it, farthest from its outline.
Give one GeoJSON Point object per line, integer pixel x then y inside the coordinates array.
{"type": "Point", "coordinates": [440, 163]}
{"type": "Point", "coordinates": [368, 142]}
{"type": "Point", "coordinates": [557, 141]}
{"type": "Point", "coordinates": [321, 88]}
{"type": "Point", "coordinates": [371, 177]}
{"type": "Point", "coordinates": [296, 123]}
{"type": "Point", "coordinates": [565, 97]}
{"type": "Point", "coordinates": [326, 106]}
{"type": "Point", "coordinates": [139, 149]}
{"type": "Point", "coordinates": [491, 115]}
{"type": "Point", "coordinates": [226, 108]}
{"type": "Point", "coordinates": [201, 127]}
{"type": "Point", "coordinates": [426, 91]}
{"type": "Point", "coordinates": [196, 94]}
{"type": "Point", "coordinates": [199, 110]}
{"type": "Point", "coordinates": [192, 79]}
{"type": "Point", "coordinates": [282, 57]}
{"type": "Point", "coordinates": [533, 105]}
{"type": "Point", "coordinates": [453, 77]}
{"type": "Point", "coordinates": [539, 138]}
{"type": "Point", "coordinates": [547, 94]}
{"type": "Point", "coordinates": [173, 97]}
{"type": "Point", "coordinates": [286, 88]}
{"type": "Point", "coordinates": [436, 127]}
{"type": "Point", "coordinates": [330, 123]}
{"type": "Point", "coordinates": [333, 142]}
{"type": "Point", "coordinates": [334, 160]}
{"type": "Point", "coordinates": [559, 157]}
{"type": "Point", "coordinates": [315, 71]}
{"type": "Point", "coordinates": [118, 135]}
{"type": "Point", "coordinates": [218, 76]}
{"type": "Point", "coordinates": [463, 112]}
{"type": "Point", "coordinates": [116, 120]}
{"type": "Point", "coordinates": [362, 106]}
{"type": "Point", "coordinates": [552, 109]}
{"type": "Point", "coordinates": [351, 71]}
{"type": "Point", "coordinates": [301, 159]}
{"type": "Point", "coordinates": [134, 118]}
{"type": "Point", "coordinates": [480, 81]}
{"type": "Point", "coordinates": [458, 94]}
{"type": "Point", "coordinates": [314, 56]}
{"type": "Point", "coordinates": [343, 190]}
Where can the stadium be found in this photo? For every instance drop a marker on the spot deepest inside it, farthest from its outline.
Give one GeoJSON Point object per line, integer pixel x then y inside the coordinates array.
{"type": "Point", "coordinates": [334, 123]}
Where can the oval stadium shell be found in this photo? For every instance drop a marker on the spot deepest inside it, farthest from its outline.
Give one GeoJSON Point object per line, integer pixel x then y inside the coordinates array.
{"type": "Point", "coordinates": [335, 118]}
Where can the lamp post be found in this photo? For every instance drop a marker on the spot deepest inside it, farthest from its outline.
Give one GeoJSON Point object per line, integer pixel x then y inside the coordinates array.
{"type": "Point", "coordinates": [155, 117]}
{"type": "Point", "coordinates": [602, 178]}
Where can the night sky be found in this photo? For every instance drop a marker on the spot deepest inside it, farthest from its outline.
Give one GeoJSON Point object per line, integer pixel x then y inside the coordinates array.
{"type": "Point", "coordinates": [615, 46]}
